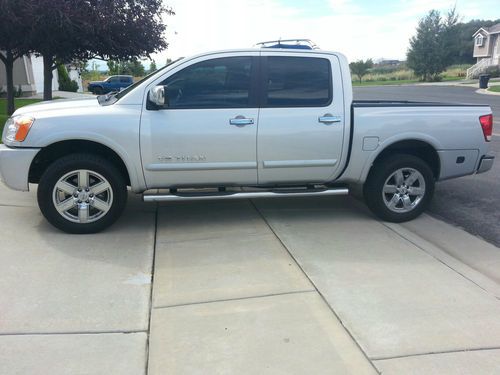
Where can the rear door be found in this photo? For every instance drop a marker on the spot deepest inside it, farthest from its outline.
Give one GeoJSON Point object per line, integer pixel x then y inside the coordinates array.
{"type": "Point", "coordinates": [301, 122]}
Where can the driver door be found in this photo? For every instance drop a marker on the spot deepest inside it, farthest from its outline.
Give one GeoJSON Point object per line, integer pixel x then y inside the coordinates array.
{"type": "Point", "coordinates": [207, 134]}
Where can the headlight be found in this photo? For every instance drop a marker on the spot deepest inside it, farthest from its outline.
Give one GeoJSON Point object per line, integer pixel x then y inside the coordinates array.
{"type": "Point", "coordinates": [17, 128]}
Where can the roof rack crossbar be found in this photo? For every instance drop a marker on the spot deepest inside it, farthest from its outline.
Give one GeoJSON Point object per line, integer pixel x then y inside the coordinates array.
{"type": "Point", "coordinates": [284, 42]}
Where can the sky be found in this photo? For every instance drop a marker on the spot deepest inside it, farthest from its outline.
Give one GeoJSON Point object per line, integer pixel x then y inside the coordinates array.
{"type": "Point", "coordinates": [360, 29]}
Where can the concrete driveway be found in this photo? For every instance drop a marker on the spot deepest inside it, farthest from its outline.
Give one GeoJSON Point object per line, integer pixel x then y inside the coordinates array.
{"type": "Point", "coordinates": [287, 286]}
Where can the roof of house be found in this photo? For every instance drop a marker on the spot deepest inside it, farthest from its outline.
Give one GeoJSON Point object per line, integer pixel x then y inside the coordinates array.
{"type": "Point", "coordinates": [495, 29]}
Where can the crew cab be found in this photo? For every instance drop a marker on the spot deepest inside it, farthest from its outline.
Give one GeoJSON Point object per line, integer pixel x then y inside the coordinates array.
{"type": "Point", "coordinates": [110, 84]}
{"type": "Point", "coordinates": [248, 123]}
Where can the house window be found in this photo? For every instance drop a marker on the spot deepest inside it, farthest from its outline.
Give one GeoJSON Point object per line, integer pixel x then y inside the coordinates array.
{"type": "Point", "coordinates": [479, 40]}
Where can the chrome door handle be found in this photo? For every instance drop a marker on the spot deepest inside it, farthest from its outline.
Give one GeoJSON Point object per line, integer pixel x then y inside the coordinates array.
{"type": "Point", "coordinates": [241, 121]}
{"type": "Point", "coordinates": [329, 119]}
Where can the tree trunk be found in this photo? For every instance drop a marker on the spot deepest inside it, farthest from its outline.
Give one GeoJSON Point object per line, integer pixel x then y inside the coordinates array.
{"type": "Point", "coordinates": [48, 62]}
{"type": "Point", "coordinates": [9, 71]}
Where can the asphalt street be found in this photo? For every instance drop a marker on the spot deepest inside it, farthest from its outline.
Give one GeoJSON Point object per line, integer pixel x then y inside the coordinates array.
{"type": "Point", "coordinates": [472, 202]}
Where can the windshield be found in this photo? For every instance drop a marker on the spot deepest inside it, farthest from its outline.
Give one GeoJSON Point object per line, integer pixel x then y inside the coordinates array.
{"type": "Point", "coordinates": [124, 92]}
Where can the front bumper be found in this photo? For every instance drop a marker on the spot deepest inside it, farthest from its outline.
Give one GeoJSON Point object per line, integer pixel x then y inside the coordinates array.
{"type": "Point", "coordinates": [485, 164]}
{"type": "Point", "coordinates": [15, 166]}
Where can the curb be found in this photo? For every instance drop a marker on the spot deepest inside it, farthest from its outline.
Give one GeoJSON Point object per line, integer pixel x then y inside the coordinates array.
{"type": "Point", "coordinates": [447, 253]}
{"type": "Point", "coordinates": [450, 260]}
{"type": "Point", "coordinates": [486, 92]}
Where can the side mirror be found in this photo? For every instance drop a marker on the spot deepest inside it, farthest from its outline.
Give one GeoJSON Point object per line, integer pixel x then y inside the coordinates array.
{"type": "Point", "coordinates": [158, 96]}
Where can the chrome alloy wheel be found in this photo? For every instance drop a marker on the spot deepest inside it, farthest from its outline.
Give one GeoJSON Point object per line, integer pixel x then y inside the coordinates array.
{"type": "Point", "coordinates": [82, 196]}
{"type": "Point", "coordinates": [403, 190]}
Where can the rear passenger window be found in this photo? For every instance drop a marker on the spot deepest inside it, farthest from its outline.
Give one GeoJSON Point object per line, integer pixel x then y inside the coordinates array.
{"type": "Point", "coordinates": [298, 82]}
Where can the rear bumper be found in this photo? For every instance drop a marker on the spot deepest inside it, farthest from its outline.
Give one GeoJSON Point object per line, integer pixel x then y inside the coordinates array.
{"type": "Point", "coordinates": [485, 164]}
{"type": "Point", "coordinates": [15, 166]}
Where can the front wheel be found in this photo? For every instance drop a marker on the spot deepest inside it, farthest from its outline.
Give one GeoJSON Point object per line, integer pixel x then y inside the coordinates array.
{"type": "Point", "coordinates": [399, 188]}
{"type": "Point", "coordinates": [82, 193]}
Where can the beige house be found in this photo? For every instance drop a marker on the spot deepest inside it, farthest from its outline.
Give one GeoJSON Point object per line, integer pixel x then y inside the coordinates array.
{"type": "Point", "coordinates": [28, 76]}
{"type": "Point", "coordinates": [486, 50]}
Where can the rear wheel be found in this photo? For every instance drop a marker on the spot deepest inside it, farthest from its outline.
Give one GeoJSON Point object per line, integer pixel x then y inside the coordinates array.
{"type": "Point", "coordinates": [82, 193]}
{"type": "Point", "coordinates": [399, 188]}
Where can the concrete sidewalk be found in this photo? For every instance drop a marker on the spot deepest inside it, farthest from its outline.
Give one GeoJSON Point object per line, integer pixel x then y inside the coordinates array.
{"type": "Point", "coordinates": [64, 95]}
{"type": "Point", "coordinates": [286, 286]}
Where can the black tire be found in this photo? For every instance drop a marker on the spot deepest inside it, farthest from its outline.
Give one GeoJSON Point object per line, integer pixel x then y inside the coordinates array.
{"type": "Point", "coordinates": [381, 171]}
{"type": "Point", "coordinates": [98, 91]}
{"type": "Point", "coordinates": [94, 164]}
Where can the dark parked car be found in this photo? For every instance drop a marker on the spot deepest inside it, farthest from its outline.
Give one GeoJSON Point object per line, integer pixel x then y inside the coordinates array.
{"type": "Point", "coordinates": [110, 84]}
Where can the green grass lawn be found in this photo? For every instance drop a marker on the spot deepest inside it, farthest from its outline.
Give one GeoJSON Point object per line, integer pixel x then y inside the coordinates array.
{"type": "Point", "coordinates": [494, 88]}
{"type": "Point", "coordinates": [18, 102]}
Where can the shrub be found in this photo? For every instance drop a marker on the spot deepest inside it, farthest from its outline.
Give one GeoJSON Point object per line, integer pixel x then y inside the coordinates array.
{"type": "Point", "coordinates": [493, 71]}
{"type": "Point", "coordinates": [19, 92]}
{"type": "Point", "coordinates": [65, 83]}
{"type": "Point", "coordinates": [456, 71]}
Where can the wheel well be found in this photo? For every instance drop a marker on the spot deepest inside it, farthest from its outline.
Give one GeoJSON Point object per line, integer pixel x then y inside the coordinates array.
{"type": "Point", "coordinates": [416, 148]}
{"type": "Point", "coordinates": [57, 150]}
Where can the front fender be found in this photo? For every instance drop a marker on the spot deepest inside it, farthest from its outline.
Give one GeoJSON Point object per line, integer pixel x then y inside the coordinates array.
{"type": "Point", "coordinates": [134, 169]}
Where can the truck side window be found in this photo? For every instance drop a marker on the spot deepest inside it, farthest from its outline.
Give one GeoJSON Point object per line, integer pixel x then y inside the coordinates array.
{"type": "Point", "coordinates": [298, 82]}
{"type": "Point", "coordinates": [216, 83]}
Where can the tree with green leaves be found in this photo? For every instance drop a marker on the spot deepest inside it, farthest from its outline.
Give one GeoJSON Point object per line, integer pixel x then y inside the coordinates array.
{"type": "Point", "coordinates": [58, 31]}
{"type": "Point", "coordinates": [13, 41]}
{"type": "Point", "coordinates": [61, 31]}
{"type": "Point", "coordinates": [130, 67]}
{"type": "Point", "coordinates": [113, 67]}
{"type": "Point", "coordinates": [136, 68]}
{"type": "Point", "coordinates": [360, 68]}
{"type": "Point", "coordinates": [451, 43]}
{"type": "Point", "coordinates": [152, 67]}
{"type": "Point", "coordinates": [431, 49]}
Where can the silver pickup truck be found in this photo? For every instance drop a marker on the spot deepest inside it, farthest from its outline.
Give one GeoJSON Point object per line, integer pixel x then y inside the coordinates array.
{"type": "Point", "coordinates": [266, 122]}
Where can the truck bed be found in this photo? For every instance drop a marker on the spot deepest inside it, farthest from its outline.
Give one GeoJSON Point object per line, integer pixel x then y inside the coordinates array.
{"type": "Point", "coordinates": [407, 103]}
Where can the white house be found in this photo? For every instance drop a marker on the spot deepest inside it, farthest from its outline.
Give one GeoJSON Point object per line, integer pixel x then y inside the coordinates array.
{"type": "Point", "coordinates": [28, 76]}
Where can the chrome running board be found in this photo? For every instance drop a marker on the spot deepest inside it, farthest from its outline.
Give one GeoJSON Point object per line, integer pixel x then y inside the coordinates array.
{"type": "Point", "coordinates": [243, 195]}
